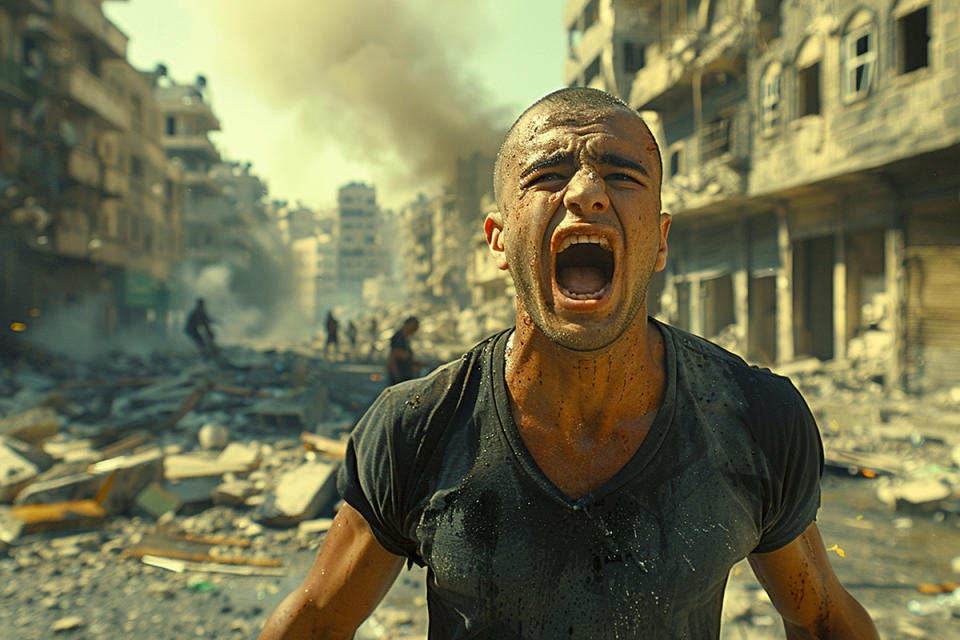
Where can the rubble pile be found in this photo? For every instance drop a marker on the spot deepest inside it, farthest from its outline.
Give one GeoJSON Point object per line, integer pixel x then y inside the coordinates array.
{"type": "Point", "coordinates": [909, 444]}
{"type": "Point", "coordinates": [132, 481]}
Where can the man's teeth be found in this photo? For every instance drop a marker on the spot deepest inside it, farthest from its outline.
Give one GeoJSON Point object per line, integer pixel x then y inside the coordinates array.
{"type": "Point", "coordinates": [585, 296]}
{"type": "Point", "coordinates": [585, 239]}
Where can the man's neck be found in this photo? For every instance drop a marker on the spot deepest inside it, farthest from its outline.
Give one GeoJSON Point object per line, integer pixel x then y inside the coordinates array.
{"type": "Point", "coordinates": [585, 395]}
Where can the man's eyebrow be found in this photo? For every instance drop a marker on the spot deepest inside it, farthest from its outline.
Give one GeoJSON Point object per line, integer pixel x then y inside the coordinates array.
{"type": "Point", "coordinates": [624, 163]}
{"type": "Point", "coordinates": [547, 162]}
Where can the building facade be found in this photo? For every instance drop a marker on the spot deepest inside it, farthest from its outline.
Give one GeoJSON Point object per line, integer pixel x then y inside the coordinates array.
{"type": "Point", "coordinates": [807, 152]}
{"type": "Point", "coordinates": [91, 211]}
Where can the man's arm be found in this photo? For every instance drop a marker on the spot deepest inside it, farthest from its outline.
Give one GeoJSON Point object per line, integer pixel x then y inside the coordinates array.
{"type": "Point", "coordinates": [805, 590]}
{"type": "Point", "coordinates": [351, 574]}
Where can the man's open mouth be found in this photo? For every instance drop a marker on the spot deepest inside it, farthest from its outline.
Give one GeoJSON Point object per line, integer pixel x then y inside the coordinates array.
{"type": "Point", "coordinates": [584, 267]}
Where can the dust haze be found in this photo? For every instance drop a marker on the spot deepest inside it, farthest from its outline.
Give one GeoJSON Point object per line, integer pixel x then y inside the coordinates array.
{"type": "Point", "coordinates": [382, 80]}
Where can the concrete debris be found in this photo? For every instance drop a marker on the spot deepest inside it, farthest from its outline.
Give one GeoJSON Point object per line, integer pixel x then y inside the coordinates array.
{"type": "Point", "coordinates": [236, 458]}
{"type": "Point", "coordinates": [234, 492]}
{"type": "Point", "coordinates": [133, 473]}
{"type": "Point", "coordinates": [31, 426]}
{"type": "Point", "coordinates": [155, 501]}
{"type": "Point", "coordinates": [214, 436]}
{"type": "Point", "coordinates": [67, 624]}
{"type": "Point", "coordinates": [299, 495]}
{"type": "Point", "coordinates": [20, 463]}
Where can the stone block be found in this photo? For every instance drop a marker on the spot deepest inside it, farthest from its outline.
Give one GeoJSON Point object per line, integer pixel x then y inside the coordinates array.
{"type": "Point", "coordinates": [233, 493]}
{"type": "Point", "coordinates": [132, 475]}
{"type": "Point", "coordinates": [156, 501]}
{"type": "Point", "coordinates": [20, 463]}
{"type": "Point", "coordinates": [31, 426]}
{"type": "Point", "coordinates": [300, 495]}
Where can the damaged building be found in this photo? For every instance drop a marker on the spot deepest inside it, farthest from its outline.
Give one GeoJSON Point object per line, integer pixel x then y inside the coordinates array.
{"type": "Point", "coordinates": [810, 155]}
{"type": "Point", "coordinates": [90, 205]}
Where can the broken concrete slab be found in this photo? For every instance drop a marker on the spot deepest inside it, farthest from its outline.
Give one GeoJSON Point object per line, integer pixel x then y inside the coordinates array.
{"type": "Point", "coordinates": [155, 501]}
{"type": "Point", "coordinates": [133, 474]}
{"type": "Point", "coordinates": [300, 495]}
{"type": "Point", "coordinates": [20, 464]}
{"type": "Point", "coordinates": [234, 492]}
{"type": "Point", "coordinates": [236, 458]}
{"type": "Point", "coordinates": [10, 527]}
{"type": "Point", "coordinates": [194, 494]}
{"type": "Point", "coordinates": [31, 426]}
{"type": "Point", "coordinates": [298, 412]}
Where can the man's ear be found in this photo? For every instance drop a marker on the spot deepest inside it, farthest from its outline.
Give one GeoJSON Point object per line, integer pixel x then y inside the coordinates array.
{"type": "Point", "coordinates": [661, 261]}
{"type": "Point", "coordinates": [493, 230]}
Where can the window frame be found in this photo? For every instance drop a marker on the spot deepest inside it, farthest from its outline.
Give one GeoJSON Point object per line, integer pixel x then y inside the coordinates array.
{"type": "Point", "coordinates": [771, 112]}
{"type": "Point", "coordinates": [851, 61]}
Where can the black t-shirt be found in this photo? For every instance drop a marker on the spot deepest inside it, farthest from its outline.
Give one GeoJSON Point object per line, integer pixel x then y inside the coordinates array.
{"type": "Point", "coordinates": [731, 466]}
{"type": "Point", "coordinates": [405, 363]}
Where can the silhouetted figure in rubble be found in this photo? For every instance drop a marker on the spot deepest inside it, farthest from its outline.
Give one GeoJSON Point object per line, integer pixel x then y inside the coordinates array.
{"type": "Point", "coordinates": [400, 363]}
{"type": "Point", "coordinates": [332, 338]}
{"type": "Point", "coordinates": [199, 329]}
{"type": "Point", "coordinates": [352, 337]}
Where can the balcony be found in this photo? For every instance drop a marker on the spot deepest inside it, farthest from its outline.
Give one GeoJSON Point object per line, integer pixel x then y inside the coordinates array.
{"type": "Point", "coordinates": [83, 167]}
{"type": "Point", "coordinates": [90, 92]}
{"type": "Point", "coordinates": [191, 145]}
{"type": "Point", "coordinates": [669, 74]}
{"type": "Point", "coordinates": [201, 182]}
{"type": "Point", "coordinates": [87, 19]}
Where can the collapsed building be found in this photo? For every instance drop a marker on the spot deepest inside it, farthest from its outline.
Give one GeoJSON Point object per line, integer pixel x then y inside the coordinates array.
{"type": "Point", "coordinates": [810, 155]}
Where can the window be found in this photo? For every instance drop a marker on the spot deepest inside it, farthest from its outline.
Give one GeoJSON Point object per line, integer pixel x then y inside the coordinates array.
{"type": "Point", "coordinates": [136, 166]}
{"type": "Point", "coordinates": [592, 71]}
{"type": "Point", "coordinates": [914, 40]}
{"type": "Point", "coordinates": [808, 90]}
{"type": "Point", "coordinates": [770, 98]}
{"type": "Point", "coordinates": [859, 60]}
{"type": "Point", "coordinates": [634, 57]}
{"type": "Point", "coordinates": [715, 138]}
{"type": "Point", "coordinates": [171, 126]}
{"type": "Point", "coordinates": [591, 14]}
{"type": "Point", "coordinates": [676, 161]}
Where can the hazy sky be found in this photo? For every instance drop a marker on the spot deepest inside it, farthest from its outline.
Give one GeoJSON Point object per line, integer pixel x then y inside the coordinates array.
{"type": "Point", "coordinates": [320, 92]}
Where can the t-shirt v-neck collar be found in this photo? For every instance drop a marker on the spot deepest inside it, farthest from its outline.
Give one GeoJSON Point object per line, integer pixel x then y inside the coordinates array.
{"type": "Point", "coordinates": [644, 453]}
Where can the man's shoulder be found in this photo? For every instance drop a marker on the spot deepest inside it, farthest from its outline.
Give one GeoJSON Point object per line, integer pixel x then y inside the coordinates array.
{"type": "Point", "coordinates": [418, 400]}
{"type": "Point", "coordinates": [697, 355]}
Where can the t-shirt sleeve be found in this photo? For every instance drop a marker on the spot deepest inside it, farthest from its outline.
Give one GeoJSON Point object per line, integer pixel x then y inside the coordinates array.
{"type": "Point", "coordinates": [375, 472]}
{"type": "Point", "coordinates": [795, 463]}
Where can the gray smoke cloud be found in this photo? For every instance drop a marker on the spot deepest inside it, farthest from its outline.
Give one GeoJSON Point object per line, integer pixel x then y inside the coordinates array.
{"type": "Point", "coordinates": [384, 79]}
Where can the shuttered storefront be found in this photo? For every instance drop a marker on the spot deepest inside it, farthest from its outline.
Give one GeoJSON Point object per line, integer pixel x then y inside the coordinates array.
{"type": "Point", "coordinates": [933, 298]}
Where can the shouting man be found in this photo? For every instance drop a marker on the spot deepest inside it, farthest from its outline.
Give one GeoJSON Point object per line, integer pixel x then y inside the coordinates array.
{"type": "Point", "coordinates": [590, 473]}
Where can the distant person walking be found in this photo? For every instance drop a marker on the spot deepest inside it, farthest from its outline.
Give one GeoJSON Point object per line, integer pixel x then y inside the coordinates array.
{"type": "Point", "coordinates": [371, 355]}
{"type": "Point", "coordinates": [332, 338]}
{"type": "Point", "coordinates": [352, 337]}
{"type": "Point", "coordinates": [400, 363]}
{"type": "Point", "coordinates": [199, 329]}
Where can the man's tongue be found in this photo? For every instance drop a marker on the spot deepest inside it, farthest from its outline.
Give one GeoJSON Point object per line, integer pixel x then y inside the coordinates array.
{"type": "Point", "coordinates": [581, 280]}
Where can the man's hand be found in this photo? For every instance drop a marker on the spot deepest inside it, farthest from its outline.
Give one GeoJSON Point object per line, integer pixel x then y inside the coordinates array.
{"type": "Point", "coordinates": [351, 574]}
{"type": "Point", "coordinates": [805, 590]}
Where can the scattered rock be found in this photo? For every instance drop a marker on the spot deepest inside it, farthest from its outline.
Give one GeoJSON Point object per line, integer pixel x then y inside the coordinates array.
{"type": "Point", "coordinates": [299, 495]}
{"type": "Point", "coordinates": [66, 624]}
{"type": "Point", "coordinates": [213, 436]}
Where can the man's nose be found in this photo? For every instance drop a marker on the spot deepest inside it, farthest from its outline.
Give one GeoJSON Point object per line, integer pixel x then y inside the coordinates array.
{"type": "Point", "coordinates": [586, 193]}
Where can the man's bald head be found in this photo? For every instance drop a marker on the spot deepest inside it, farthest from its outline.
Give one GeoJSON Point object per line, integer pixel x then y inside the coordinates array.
{"type": "Point", "coordinates": [574, 105]}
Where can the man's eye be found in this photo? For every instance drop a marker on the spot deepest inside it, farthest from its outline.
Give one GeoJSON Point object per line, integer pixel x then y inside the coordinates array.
{"type": "Point", "coordinates": [620, 177]}
{"type": "Point", "coordinates": [547, 177]}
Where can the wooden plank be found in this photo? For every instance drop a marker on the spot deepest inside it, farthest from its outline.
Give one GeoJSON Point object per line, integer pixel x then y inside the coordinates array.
{"type": "Point", "coordinates": [329, 446]}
